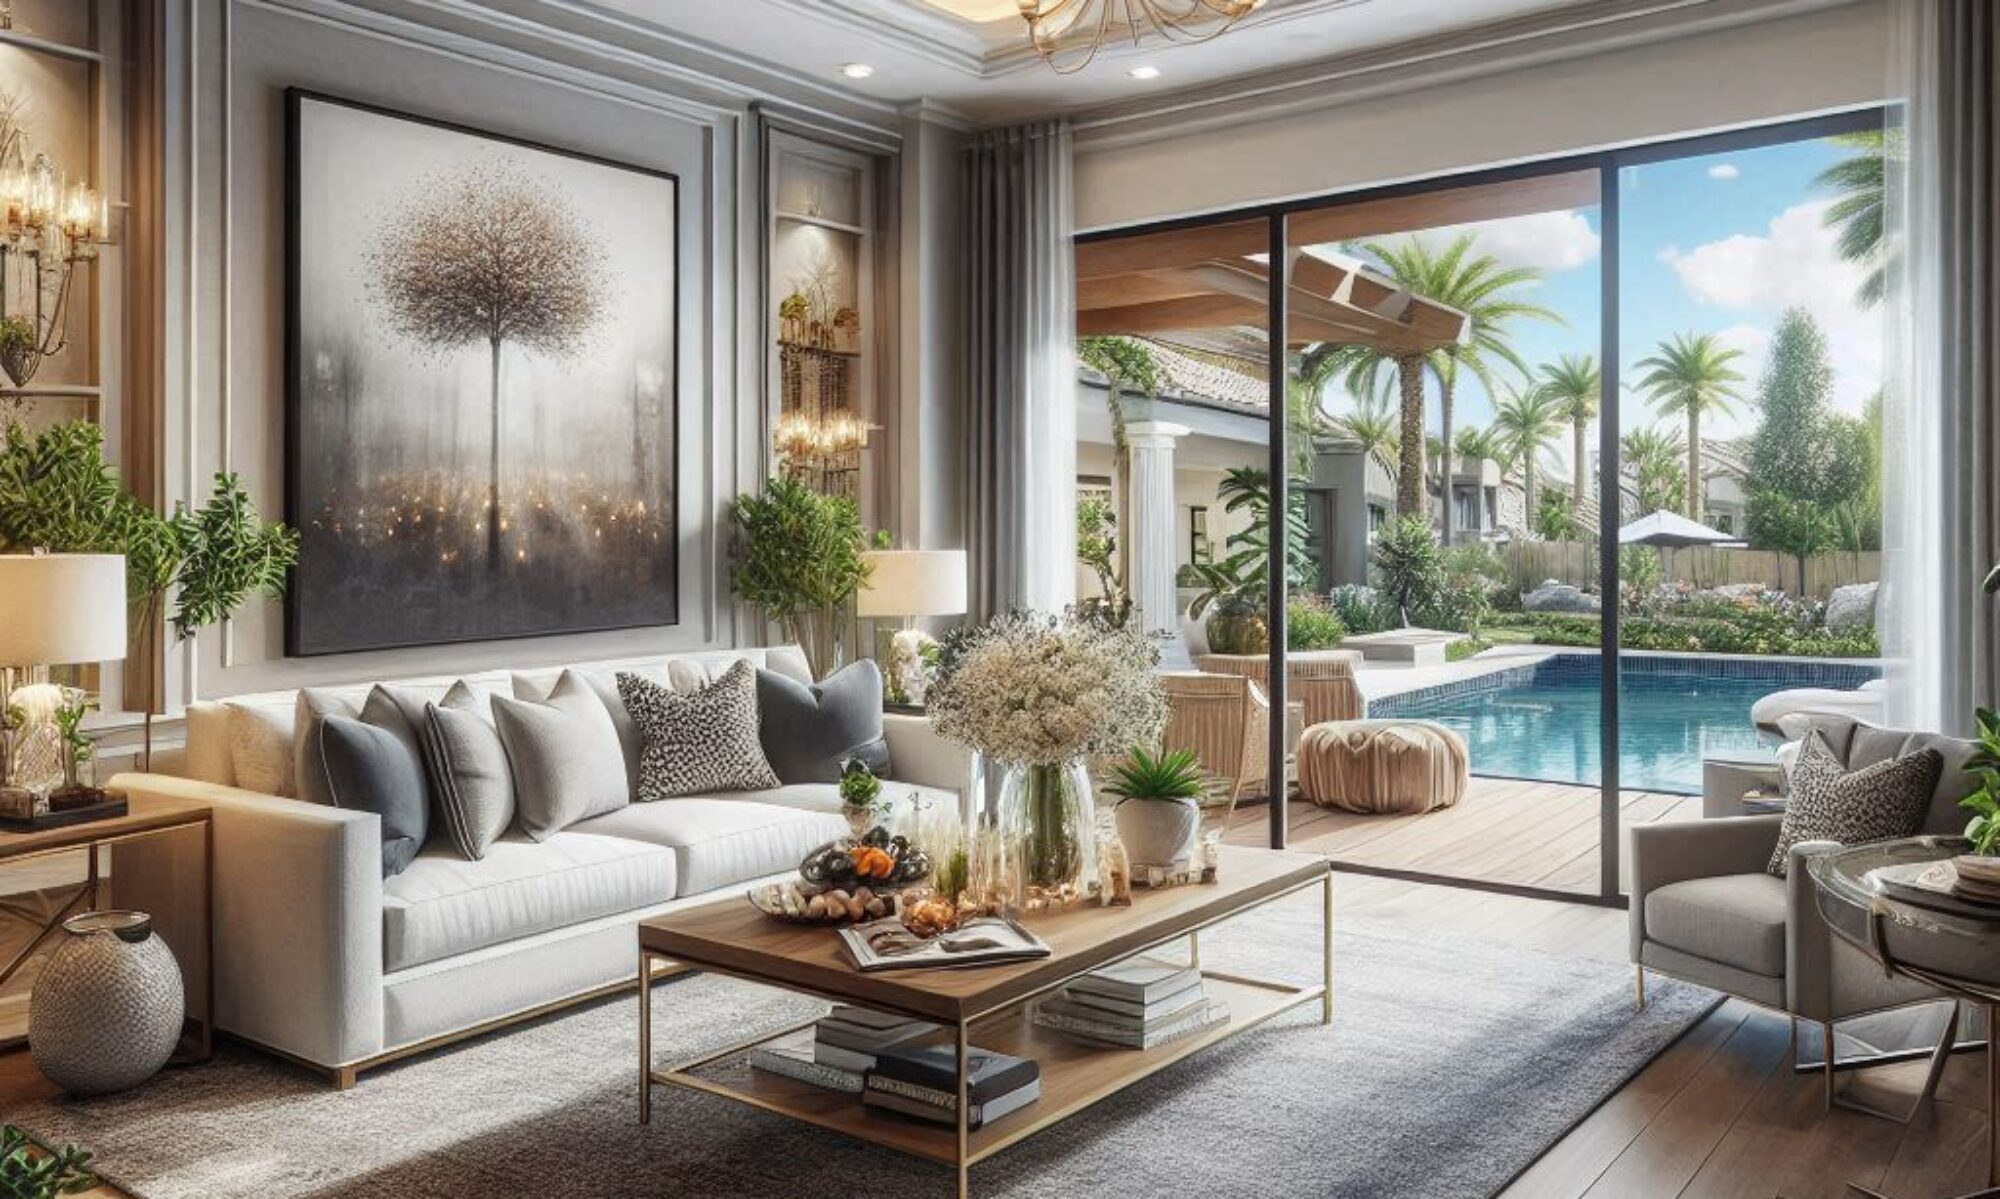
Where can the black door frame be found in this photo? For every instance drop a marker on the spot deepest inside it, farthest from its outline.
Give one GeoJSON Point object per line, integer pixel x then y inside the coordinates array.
{"type": "Point", "coordinates": [1608, 164]}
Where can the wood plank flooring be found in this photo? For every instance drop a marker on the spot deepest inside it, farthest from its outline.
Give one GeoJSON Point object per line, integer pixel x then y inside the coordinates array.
{"type": "Point", "coordinates": [1509, 831]}
{"type": "Point", "coordinates": [1719, 1115]}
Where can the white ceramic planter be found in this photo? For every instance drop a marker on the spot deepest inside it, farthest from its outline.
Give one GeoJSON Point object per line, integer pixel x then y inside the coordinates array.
{"type": "Point", "coordinates": [1158, 832]}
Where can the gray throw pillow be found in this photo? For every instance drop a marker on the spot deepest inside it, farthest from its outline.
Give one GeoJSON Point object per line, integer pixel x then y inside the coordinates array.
{"type": "Point", "coordinates": [807, 732]}
{"type": "Point", "coordinates": [315, 704]}
{"type": "Point", "coordinates": [1827, 802]}
{"type": "Point", "coordinates": [564, 756]}
{"type": "Point", "coordinates": [700, 743]}
{"type": "Point", "coordinates": [469, 772]}
{"type": "Point", "coordinates": [366, 769]}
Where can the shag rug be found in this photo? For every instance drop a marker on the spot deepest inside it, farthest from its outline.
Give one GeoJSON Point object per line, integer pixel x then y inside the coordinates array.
{"type": "Point", "coordinates": [1450, 1066]}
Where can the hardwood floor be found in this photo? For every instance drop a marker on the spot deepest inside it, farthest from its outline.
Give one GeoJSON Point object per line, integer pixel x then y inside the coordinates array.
{"type": "Point", "coordinates": [1511, 831]}
{"type": "Point", "coordinates": [1719, 1115]}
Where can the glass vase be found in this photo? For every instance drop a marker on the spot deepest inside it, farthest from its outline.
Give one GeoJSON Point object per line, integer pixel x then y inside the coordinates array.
{"type": "Point", "coordinates": [1050, 817]}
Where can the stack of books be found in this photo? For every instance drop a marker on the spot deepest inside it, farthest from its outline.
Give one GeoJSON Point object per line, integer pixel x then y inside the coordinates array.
{"type": "Point", "coordinates": [846, 1044]}
{"type": "Point", "coordinates": [1141, 1003]}
{"type": "Point", "coordinates": [922, 1081]}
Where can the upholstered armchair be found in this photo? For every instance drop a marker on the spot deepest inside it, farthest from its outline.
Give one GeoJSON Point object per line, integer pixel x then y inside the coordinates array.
{"type": "Point", "coordinates": [1705, 910]}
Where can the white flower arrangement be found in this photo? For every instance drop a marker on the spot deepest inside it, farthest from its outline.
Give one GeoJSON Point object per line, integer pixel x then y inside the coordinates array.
{"type": "Point", "coordinates": [1036, 690]}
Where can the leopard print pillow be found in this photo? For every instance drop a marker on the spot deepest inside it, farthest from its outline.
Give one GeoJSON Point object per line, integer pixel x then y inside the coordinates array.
{"type": "Point", "coordinates": [1827, 802]}
{"type": "Point", "coordinates": [701, 742]}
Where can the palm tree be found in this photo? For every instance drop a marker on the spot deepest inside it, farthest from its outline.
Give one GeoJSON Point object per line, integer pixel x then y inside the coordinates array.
{"type": "Point", "coordinates": [1484, 290]}
{"type": "Point", "coordinates": [1860, 184]}
{"type": "Point", "coordinates": [1576, 385]}
{"type": "Point", "coordinates": [1655, 457]}
{"type": "Point", "coordinates": [1691, 375]}
{"type": "Point", "coordinates": [1525, 422]}
{"type": "Point", "coordinates": [1374, 426]}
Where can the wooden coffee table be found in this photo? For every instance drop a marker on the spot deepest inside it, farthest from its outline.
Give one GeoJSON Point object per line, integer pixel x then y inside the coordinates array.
{"type": "Point", "coordinates": [732, 938]}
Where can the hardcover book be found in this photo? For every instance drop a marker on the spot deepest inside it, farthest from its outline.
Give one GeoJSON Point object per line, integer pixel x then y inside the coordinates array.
{"type": "Point", "coordinates": [1138, 980]}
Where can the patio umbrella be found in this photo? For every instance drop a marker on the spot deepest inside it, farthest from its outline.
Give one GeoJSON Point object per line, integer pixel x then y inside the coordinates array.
{"type": "Point", "coordinates": [1671, 530]}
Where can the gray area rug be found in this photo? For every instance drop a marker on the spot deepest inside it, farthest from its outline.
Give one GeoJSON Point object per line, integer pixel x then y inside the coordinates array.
{"type": "Point", "coordinates": [1450, 1066]}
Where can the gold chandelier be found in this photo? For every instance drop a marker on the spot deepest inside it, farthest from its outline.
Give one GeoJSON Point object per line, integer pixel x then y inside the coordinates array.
{"type": "Point", "coordinates": [1068, 33]}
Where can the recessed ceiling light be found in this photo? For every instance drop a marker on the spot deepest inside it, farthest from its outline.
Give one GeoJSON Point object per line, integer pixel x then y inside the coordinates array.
{"type": "Point", "coordinates": [857, 70]}
{"type": "Point", "coordinates": [1144, 72]}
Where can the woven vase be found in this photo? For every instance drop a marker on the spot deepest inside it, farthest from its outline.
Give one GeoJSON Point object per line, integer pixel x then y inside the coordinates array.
{"type": "Point", "coordinates": [106, 1011]}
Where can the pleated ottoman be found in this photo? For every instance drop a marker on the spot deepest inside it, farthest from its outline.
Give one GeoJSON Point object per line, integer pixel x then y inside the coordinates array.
{"type": "Point", "coordinates": [1380, 766]}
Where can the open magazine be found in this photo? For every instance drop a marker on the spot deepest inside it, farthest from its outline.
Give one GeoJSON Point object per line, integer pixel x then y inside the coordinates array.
{"type": "Point", "coordinates": [886, 945]}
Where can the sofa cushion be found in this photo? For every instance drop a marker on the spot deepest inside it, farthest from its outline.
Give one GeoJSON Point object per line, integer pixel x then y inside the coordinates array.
{"type": "Point", "coordinates": [565, 757]}
{"type": "Point", "coordinates": [1735, 919]}
{"type": "Point", "coordinates": [698, 744]}
{"type": "Point", "coordinates": [469, 773]}
{"type": "Point", "coordinates": [444, 905]}
{"type": "Point", "coordinates": [809, 732]}
{"type": "Point", "coordinates": [260, 749]}
{"type": "Point", "coordinates": [366, 769]}
{"type": "Point", "coordinates": [718, 842]}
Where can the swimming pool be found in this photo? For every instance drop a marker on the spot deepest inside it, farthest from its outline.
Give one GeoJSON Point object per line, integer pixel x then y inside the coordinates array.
{"type": "Point", "coordinates": [1540, 720]}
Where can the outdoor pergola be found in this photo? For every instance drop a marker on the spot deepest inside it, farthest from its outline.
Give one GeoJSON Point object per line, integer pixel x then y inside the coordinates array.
{"type": "Point", "coordinates": [1210, 287]}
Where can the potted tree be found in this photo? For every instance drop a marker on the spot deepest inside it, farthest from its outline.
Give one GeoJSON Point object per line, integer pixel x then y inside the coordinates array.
{"type": "Point", "coordinates": [1159, 805]}
{"type": "Point", "coordinates": [798, 557]}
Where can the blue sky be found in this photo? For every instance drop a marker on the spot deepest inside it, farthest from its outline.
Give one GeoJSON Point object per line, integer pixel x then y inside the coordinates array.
{"type": "Point", "coordinates": [1718, 244]}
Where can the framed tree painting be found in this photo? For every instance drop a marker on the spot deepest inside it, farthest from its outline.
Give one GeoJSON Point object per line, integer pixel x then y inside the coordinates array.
{"type": "Point", "coordinates": [481, 358]}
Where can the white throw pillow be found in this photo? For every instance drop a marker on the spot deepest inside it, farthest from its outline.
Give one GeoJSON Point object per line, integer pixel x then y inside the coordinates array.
{"type": "Point", "coordinates": [564, 755]}
{"type": "Point", "coordinates": [260, 748]}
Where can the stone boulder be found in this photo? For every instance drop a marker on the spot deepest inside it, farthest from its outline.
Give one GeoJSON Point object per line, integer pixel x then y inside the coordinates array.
{"type": "Point", "coordinates": [1554, 596]}
{"type": "Point", "coordinates": [1851, 609]}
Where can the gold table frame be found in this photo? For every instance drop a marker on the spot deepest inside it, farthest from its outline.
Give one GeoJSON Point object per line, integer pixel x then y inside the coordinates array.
{"type": "Point", "coordinates": [1102, 1071]}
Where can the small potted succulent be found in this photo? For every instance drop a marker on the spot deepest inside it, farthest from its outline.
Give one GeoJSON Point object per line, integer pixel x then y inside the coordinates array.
{"type": "Point", "coordinates": [861, 796]}
{"type": "Point", "coordinates": [1159, 805]}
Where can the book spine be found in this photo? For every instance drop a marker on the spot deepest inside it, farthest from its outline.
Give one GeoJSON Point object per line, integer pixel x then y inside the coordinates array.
{"type": "Point", "coordinates": [1113, 1034]}
{"type": "Point", "coordinates": [842, 1059]}
{"type": "Point", "coordinates": [830, 1077]}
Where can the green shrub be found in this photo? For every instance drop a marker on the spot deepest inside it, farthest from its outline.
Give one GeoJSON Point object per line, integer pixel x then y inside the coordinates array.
{"type": "Point", "coordinates": [1361, 608]}
{"type": "Point", "coordinates": [1408, 568]}
{"type": "Point", "coordinates": [1739, 631]}
{"type": "Point", "coordinates": [1311, 623]}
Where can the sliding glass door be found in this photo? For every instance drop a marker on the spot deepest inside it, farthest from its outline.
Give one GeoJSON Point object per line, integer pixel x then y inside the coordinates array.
{"type": "Point", "coordinates": [1614, 400]}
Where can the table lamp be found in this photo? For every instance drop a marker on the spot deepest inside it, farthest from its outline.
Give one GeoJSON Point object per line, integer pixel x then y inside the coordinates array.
{"type": "Point", "coordinates": [904, 585]}
{"type": "Point", "coordinates": [55, 610]}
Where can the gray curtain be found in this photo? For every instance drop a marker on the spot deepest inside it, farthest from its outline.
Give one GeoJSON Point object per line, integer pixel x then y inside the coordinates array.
{"type": "Point", "coordinates": [1942, 385]}
{"type": "Point", "coordinates": [1020, 306]}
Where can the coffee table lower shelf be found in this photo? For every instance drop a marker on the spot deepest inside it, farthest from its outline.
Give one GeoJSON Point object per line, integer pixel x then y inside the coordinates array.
{"type": "Point", "coordinates": [1075, 1075]}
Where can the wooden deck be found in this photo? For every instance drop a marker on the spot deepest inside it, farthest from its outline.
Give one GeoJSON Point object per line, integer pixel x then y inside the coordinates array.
{"type": "Point", "coordinates": [1508, 831]}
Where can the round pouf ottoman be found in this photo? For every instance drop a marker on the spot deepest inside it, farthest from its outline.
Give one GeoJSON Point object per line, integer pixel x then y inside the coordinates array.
{"type": "Point", "coordinates": [106, 1011]}
{"type": "Point", "coordinates": [1404, 766]}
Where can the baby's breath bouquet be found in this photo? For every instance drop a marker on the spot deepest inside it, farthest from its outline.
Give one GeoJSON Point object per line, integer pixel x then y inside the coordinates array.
{"type": "Point", "coordinates": [1041, 695]}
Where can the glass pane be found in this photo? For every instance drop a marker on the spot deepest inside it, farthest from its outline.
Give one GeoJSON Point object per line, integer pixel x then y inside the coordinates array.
{"type": "Point", "coordinates": [1444, 361]}
{"type": "Point", "coordinates": [1750, 485]}
{"type": "Point", "coordinates": [1173, 425]}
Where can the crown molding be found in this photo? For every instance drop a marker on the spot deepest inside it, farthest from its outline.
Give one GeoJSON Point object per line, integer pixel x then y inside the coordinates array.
{"type": "Point", "coordinates": [1533, 39]}
{"type": "Point", "coordinates": [937, 112]}
{"type": "Point", "coordinates": [908, 25]}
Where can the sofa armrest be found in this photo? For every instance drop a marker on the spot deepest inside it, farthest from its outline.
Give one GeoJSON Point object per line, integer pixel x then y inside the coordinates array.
{"type": "Point", "coordinates": [1808, 940]}
{"type": "Point", "coordinates": [1676, 851]}
{"type": "Point", "coordinates": [918, 755]}
{"type": "Point", "coordinates": [297, 915]}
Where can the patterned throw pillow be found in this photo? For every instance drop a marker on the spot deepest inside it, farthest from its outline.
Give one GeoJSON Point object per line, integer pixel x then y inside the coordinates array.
{"type": "Point", "coordinates": [699, 743]}
{"type": "Point", "coordinates": [1829, 803]}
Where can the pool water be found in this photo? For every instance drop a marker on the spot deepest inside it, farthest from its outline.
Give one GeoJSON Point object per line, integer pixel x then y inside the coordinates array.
{"type": "Point", "coordinates": [1540, 721]}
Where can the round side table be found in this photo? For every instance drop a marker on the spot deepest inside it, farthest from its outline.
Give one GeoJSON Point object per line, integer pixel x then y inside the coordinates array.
{"type": "Point", "coordinates": [1869, 896]}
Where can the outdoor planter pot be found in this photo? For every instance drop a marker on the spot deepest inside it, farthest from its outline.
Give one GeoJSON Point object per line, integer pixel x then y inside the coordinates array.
{"type": "Point", "coordinates": [1158, 832]}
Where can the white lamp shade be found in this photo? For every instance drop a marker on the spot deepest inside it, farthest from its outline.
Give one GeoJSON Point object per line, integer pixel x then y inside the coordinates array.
{"type": "Point", "coordinates": [913, 583]}
{"type": "Point", "coordinates": [61, 609]}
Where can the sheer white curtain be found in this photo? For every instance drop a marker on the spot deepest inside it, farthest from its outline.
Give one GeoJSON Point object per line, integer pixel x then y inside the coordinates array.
{"type": "Point", "coordinates": [1021, 362]}
{"type": "Point", "coordinates": [1941, 411]}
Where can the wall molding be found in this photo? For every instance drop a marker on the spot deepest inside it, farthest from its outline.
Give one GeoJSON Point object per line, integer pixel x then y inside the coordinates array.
{"type": "Point", "coordinates": [1517, 43]}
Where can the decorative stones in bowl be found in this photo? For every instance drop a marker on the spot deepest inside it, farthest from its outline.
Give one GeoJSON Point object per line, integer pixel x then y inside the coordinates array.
{"type": "Point", "coordinates": [853, 878]}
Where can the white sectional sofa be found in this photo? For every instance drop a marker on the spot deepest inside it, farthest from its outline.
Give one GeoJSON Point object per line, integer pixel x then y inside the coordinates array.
{"type": "Point", "coordinates": [322, 960]}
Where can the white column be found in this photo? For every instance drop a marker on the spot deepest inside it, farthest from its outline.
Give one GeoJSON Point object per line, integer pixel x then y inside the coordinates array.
{"type": "Point", "coordinates": [1150, 528]}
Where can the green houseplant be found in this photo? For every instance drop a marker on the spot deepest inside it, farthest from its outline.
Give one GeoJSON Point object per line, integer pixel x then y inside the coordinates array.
{"type": "Point", "coordinates": [1159, 805]}
{"type": "Point", "coordinates": [861, 796]}
{"type": "Point", "coordinates": [798, 557]}
{"type": "Point", "coordinates": [58, 493]}
{"type": "Point", "coordinates": [30, 1170]}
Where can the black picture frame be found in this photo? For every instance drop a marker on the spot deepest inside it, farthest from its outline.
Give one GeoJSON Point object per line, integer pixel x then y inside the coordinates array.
{"type": "Point", "coordinates": [301, 637]}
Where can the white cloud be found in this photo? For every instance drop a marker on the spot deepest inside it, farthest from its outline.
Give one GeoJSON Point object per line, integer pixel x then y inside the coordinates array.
{"type": "Point", "coordinates": [1667, 253]}
{"type": "Point", "coordinates": [1543, 241]}
{"type": "Point", "coordinates": [1795, 263]}
{"type": "Point", "coordinates": [1724, 171]}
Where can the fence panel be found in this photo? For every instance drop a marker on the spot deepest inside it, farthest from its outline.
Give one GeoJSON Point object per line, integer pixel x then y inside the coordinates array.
{"type": "Point", "coordinates": [1531, 563]}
